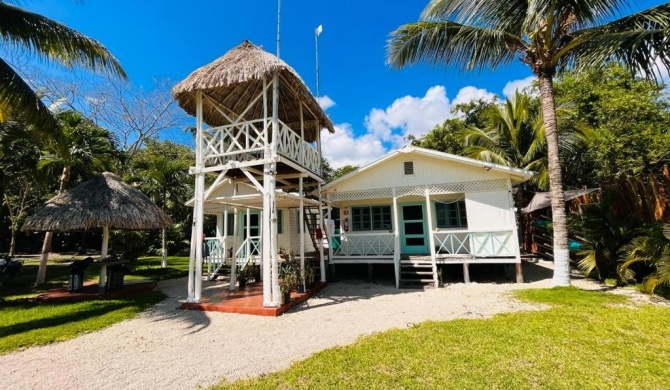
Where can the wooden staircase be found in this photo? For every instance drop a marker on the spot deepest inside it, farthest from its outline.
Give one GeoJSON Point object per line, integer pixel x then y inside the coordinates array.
{"type": "Point", "coordinates": [416, 274]}
{"type": "Point", "coordinates": [313, 218]}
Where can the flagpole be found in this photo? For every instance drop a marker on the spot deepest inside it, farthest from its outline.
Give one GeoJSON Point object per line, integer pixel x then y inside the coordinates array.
{"type": "Point", "coordinates": [317, 32]}
{"type": "Point", "coordinates": [278, 24]}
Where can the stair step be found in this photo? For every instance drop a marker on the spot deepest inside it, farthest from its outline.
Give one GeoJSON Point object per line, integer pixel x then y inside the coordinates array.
{"type": "Point", "coordinates": [417, 280]}
{"type": "Point", "coordinates": [416, 272]}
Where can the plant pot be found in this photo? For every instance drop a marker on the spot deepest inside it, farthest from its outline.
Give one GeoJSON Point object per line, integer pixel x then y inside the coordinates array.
{"type": "Point", "coordinates": [301, 289]}
{"type": "Point", "coordinates": [257, 273]}
{"type": "Point", "coordinates": [242, 282]}
{"type": "Point", "coordinates": [286, 297]}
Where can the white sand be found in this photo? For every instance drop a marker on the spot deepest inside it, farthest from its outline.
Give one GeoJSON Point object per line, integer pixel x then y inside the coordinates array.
{"type": "Point", "coordinates": [167, 348]}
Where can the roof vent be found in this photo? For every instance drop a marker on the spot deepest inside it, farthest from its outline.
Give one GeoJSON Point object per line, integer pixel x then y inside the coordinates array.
{"type": "Point", "coordinates": [409, 167]}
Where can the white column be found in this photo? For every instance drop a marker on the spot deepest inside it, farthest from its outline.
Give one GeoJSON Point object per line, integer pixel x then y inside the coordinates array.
{"type": "Point", "coordinates": [233, 260]}
{"type": "Point", "coordinates": [322, 261]}
{"type": "Point", "coordinates": [199, 199]}
{"type": "Point", "coordinates": [301, 159]}
{"type": "Point", "coordinates": [191, 262]}
{"type": "Point", "coordinates": [515, 231]}
{"type": "Point", "coordinates": [103, 254]}
{"type": "Point", "coordinates": [301, 225]}
{"type": "Point", "coordinates": [220, 221]}
{"type": "Point", "coordinates": [276, 299]}
{"type": "Point", "coordinates": [328, 225]}
{"type": "Point", "coordinates": [431, 238]}
{"type": "Point", "coordinates": [396, 237]}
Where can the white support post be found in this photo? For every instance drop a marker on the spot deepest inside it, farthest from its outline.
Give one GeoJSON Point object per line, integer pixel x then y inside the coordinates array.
{"type": "Point", "coordinates": [302, 138]}
{"type": "Point", "coordinates": [318, 149]}
{"type": "Point", "coordinates": [103, 254]}
{"type": "Point", "coordinates": [328, 224]}
{"type": "Point", "coordinates": [515, 232]}
{"type": "Point", "coordinates": [272, 185]}
{"type": "Point", "coordinates": [301, 225]}
{"type": "Point", "coordinates": [396, 238]}
{"type": "Point", "coordinates": [191, 263]}
{"type": "Point", "coordinates": [233, 260]}
{"type": "Point", "coordinates": [431, 238]}
{"type": "Point", "coordinates": [322, 261]}
{"type": "Point", "coordinates": [199, 199]}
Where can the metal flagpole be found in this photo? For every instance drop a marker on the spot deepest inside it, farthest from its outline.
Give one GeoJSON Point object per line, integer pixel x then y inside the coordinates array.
{"type": "Point", "coordinates": [278, 24]}
{"type": "Point", "coordinates": [317, 32]}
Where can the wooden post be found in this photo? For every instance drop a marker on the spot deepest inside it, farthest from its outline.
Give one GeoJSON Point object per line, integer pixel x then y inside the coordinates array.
{"type": "Point", "coordinates": [322, 261]}
{"type": "Point", "coordinates": [396, 237]}
{"type": "Point", "coordinates": [103, 254]}
{"type": "Point", "coordinates": [233, 260]}
{"type": "Point", "coordinates": [431, 238]}
{"type": "Point", "coordinates": [301, 225]}
{"type": "Point", "coordinates": [515, 232]}
{"type": "Point", "coordinates": [330, 233]}
{"type": "Point", "coordinates": [199, 198]}
{"type": "Point", "coordinates": [302, 138]}
{"type": "Point", "coordinates": [272, 210]}
{"type": "Point", "coordinates": [466, 272]}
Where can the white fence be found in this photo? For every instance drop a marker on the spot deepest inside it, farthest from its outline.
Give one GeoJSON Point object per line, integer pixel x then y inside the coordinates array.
{"type": "Point", "coordinates": [476, 243]}
{"type": "Point", "coordinates": [365, 245]}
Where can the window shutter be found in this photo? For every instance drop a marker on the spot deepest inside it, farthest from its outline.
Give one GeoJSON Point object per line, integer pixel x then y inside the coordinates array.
{"type": "Point", "coordinates": [409, 167]}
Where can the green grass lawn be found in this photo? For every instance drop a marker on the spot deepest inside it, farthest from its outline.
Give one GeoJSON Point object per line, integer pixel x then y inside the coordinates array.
{"type": "Point", "coordinates": [25, 323]}
{"type": "Point", "coordinates": [585, 340]}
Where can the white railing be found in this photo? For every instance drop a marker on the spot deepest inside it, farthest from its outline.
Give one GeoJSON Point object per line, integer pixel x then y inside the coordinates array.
{"type": "Point", "coordinates": [289, 144]}
{"type": "Point", "coordinates": [237, 141]}
{"type": "Point", "coordinates": [216, 254]}
{"type": "Point", "coordinates": [365, 245]}
{"type": "Point", "coordinates": [475, 243]}
{"type": "Point", "coordinates": [248, 251]}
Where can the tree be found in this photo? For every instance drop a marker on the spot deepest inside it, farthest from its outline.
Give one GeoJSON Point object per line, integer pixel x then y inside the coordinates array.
{"type": "Point", "coordinates": [161, 170]}
{"type": "Point", "coordinates": [47, 40]}
{"type": "Point", "coordinates": [444, 138]}
{"type": "Point", "coordinates": [653, 249]}
{"type": "Point", "coordinates": [83, 149]}
{"type": "Point", "coordinates": [547, 36]}
{"type": "Point", "coordinates": [341, 171]}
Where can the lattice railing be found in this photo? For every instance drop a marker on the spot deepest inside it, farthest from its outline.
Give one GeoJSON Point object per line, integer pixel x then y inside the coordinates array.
{"type": "Point", "coordinates": [237, 141]}
{"type": "Point", "coordinates": [289, 144]}
{"type": "Point", "coordinates": [433, 189]}
{"type": "Point", "coordinates": [366, 244]}
{"type": "Point", "coordinates": [475, 243]}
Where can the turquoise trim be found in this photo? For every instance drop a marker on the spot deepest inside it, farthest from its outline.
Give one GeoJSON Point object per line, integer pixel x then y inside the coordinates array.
{"type": "Point", "coordinates": [409, 248]}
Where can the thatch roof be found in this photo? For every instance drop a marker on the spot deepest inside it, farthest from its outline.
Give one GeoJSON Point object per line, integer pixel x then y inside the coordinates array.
{"type": "Point", "coordinates": [235, 79]}
{"type": "Point", "coordinates": [102, 201]}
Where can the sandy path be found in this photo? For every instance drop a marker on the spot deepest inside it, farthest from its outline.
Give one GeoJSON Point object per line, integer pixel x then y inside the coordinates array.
{"type": "Point", "coordinates": [167, 348]}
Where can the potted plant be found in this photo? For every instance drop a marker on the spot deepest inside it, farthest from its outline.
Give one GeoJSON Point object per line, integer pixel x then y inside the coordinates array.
{"type": "Point", "coordinates": [309, 275]}
{"type": "Point", "coordinates": [286, 283]}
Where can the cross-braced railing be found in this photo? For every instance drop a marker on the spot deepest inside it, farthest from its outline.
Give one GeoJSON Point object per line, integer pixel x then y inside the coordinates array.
{"type": "Point", "coordinates": [365, 245]}
{"type": "Point", "coordinates": [475, 243]}
{"type": "Point", "coordinates": [216, 254]}
{"type": "Point", "coordinates": [289, 144]}
{"type": "Point", "coordinates": [248, 251]}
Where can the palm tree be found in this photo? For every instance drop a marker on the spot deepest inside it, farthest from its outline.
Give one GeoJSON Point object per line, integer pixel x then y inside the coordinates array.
{"type": "Point", "coordinates": [47, 40]}
{"type": "Point", "coordinates": [548, 36]}
{"type": "Point", "coordinates": [652, 248]}
{"type": "Point", "coordinates": [83, 148]}
{"type": "Point", "coordinates": [165, 180]}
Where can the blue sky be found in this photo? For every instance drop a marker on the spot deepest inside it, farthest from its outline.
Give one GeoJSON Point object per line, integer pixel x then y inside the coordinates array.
{"type": "Point", "coordinates": [374, 105]}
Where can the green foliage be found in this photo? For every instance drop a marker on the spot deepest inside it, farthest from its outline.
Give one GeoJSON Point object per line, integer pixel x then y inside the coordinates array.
{"type": "Point", "coordinates": [592, 342]}
{"type": "Point", "coordinates": [27, 324]}
{"type": "Point", "coordinates": [652, 249]}
{"type": "Point", "coordinates": [128, 244]}
{"type": "Point", "coordinates": [341, 171]}
{"type": "Point", "coordinates": [629, 119]}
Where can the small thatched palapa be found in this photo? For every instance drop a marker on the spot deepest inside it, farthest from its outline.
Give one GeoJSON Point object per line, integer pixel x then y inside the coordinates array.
{"type": "Point", "coordinates": [105, 201]}
{"type": "Point", "coordinates": [235, 79]}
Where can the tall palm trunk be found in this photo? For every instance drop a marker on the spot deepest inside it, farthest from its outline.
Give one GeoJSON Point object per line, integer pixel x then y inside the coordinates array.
{"type": "Point", "coordinates": [559, 220]}
{"type": "Point", "coordinates": [46, 246]}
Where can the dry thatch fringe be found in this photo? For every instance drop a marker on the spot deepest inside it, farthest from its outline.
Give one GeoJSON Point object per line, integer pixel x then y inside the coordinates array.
{"type": "Point", "coordinates": [235, 79]}
{"type": "Point", "coordinates": [99, 202]}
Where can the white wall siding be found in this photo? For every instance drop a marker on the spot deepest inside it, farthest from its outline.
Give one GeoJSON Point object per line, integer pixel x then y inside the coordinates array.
{"type": "Point", "coordinates": [488, 211]}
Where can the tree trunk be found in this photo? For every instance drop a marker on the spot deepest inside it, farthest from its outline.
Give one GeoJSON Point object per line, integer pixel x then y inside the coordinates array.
{"type": "Point", "coordinates": [46, 246]}
{"type": "Point", "coordinates": [559, 220]}
{"type": "Point", "coordinates": [164, 252]}
{"type": "Point", "coordinates": [12, 243]}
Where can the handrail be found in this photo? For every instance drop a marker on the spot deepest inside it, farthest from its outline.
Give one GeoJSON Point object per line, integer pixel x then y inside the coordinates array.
{"type": "Point", "coordinates": [475, 243]}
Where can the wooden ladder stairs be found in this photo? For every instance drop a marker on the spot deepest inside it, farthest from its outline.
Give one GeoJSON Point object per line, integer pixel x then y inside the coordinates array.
{"type": "Point", "coordinates": [416, 274]}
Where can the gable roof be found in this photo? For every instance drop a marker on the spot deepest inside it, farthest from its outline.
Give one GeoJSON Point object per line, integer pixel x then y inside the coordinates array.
{"type": "Point", "coordinates": [516, 174]}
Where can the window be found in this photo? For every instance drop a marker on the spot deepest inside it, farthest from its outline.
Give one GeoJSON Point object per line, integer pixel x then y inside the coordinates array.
{"type": "Point", "coordinates": [409, 167]}
{"type": "Point", "coordinates": [371, 218]}
{"type": "Point", "coordinates": [231, 224]}
{"type": "Point", "coordinates": [280, 222]}
{"type": "Point", "coordinates": [451, 215]}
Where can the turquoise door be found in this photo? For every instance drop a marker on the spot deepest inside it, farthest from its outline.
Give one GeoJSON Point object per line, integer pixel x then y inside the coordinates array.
{"type": "Point", "coordinates": [413, 229]}
{"type": "Point", "coordinates": [254, 228]}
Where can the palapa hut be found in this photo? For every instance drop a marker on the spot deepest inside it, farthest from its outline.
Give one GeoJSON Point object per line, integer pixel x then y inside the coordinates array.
{"type": "Point", "coordinates": [259, 130]}
{"type": "Point", "coordinates": [103, 202]}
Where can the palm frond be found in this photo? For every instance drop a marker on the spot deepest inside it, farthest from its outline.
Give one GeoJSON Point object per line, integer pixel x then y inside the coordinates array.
{"type": "Point", "coordinates": [18, 100]}
{"type": "Point", "coordinates": [49, 39]}
{"type": "Point", "coordinates": [450, 43]}
{"type": "Point", "coordinates": [502, 15]}
{"type": "Point", "coordinates": [641, 41]}
{"type": "Point", "coordinates": [580, 12]}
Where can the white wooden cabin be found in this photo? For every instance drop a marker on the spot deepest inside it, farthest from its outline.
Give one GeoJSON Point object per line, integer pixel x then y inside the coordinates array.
{"type": "Point", "coordinates": [259, 126]}
{"type": "Point", "coordinates": [417, 208]}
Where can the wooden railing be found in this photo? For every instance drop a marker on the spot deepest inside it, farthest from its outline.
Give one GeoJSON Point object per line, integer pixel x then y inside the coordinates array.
{"type": "Point", "coordinates": [476, 243]}
{"type": "Point", "coordinates": [246, 141]}
{"type": "Point", "coordinates": [367, 245]}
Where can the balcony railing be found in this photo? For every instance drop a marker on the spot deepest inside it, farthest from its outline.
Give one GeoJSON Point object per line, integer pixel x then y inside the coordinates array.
{"type": "Point", "coordinates": [475, 243]}
{"type": "Point", "coordinates": [246, 141]}
{"type": "Point", "coordinates": [365, 245]}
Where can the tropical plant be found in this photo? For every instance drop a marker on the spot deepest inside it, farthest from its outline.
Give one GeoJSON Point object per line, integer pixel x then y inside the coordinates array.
{"type": "Point", "coordinates": [84, 149]}
{"type": "Point", "coordinates": [548, 36]}
{"type": "Point", "coordinates": [653, 249]}
{"type": "Point", "coordinates": [46, 40]}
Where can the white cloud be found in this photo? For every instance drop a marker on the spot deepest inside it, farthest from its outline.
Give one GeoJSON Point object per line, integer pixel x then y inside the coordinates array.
{"type": "Point", "coordinates": [467, 94]}
{"type": "Point", "coordinates": [520, 84]}
{"type": "Point", "coordinates": [325, 102]}
{"type": "Point", "coordinates": [345, 148]}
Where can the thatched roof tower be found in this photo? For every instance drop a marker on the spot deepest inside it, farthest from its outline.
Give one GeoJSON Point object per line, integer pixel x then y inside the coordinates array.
{"type": "Point", "coordinates": [235, 79]}
{"type": "Point", "coordinates": [104, 201]}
